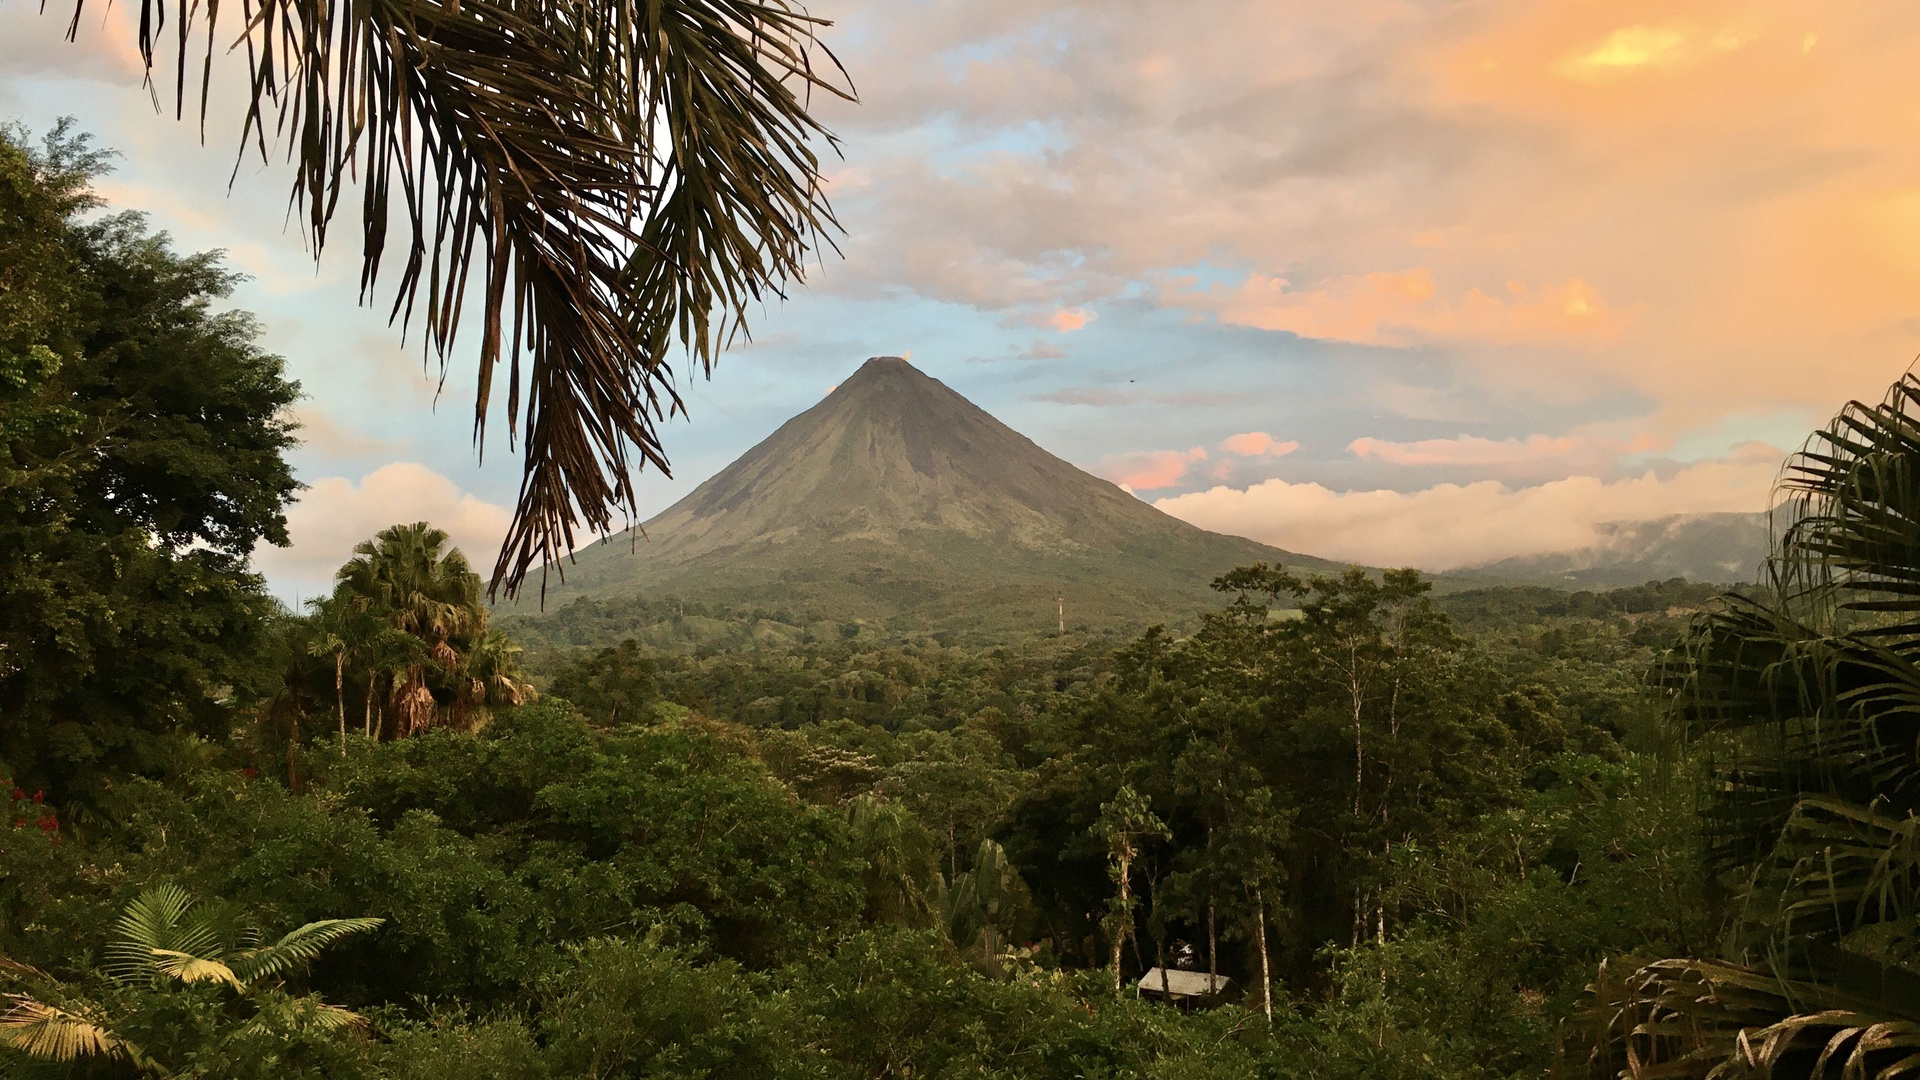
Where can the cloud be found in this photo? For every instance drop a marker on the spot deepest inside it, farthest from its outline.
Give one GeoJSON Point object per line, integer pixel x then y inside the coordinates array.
{"type": "Point", "coordinates": [1039, 350]}
{"type": "Point", "coordinates": [1102, 397]}
{"type": "Point", "coordinates": [1404, 308]}
{"type": "Point", "coordinates": [320, 431]}
{"type": "Point", "coordinates": [1067, 320]}
{"type": "Point", "coordinates": [1157, 470]}
{"type": "Point", "coordinates": [1534, 450]}
{"type": "Point", "coordinates": [1454, 525]}
{"type": "Point", "coordinates": [1639, 47]}
{"type": "Point", "coordinates": [1257, 444]}
{"type": "Point", "coordinates": [335, 513]}
{"type": "Point", "coordinates": [1689, 203]}
{"type": "Point", "coordinates": [1151, 470]}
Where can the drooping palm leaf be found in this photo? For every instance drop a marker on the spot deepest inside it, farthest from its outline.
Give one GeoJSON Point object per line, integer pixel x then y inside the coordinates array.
{"type": "Point", "coordinates": [49, 1033]}
{"type": "Point", "coordinates": [615, 179]}
{"type": "Point", "coordinates": [191, 969]}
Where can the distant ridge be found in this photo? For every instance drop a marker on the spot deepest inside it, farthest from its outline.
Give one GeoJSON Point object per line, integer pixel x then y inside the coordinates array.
{"type": "Point", "coordinates": [1721, 548]}
{"type": "Point", "coordinates": [897, 501]}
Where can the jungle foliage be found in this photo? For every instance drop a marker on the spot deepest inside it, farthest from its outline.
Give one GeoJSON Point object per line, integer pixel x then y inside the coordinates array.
{"type": "Point", "coordinates": [1651, 831]}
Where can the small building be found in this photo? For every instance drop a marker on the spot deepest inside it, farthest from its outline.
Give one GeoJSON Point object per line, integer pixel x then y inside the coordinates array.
{"type": "Point", "coordinates": [1186, 989]}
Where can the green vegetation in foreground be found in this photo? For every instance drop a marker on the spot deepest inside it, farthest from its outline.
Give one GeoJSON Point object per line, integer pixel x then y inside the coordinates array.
{"type": "Point", "coordinates": [1439, 837]}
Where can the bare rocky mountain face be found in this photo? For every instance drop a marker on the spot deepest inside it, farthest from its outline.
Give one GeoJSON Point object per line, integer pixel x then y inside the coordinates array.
{"type": "Point", "coordinates": [899, 503]}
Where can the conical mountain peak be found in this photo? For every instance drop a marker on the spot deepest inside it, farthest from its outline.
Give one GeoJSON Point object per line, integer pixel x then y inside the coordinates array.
{"type": "Point", "coordinates": [896, 483]}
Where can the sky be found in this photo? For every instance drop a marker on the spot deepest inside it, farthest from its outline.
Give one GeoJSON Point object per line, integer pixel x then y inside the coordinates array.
{"type": "Point", "coordinates": [1407, 283]}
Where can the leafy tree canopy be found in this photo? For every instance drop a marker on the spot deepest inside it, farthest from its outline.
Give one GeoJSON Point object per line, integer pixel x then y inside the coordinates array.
{"type": "Point", "coordinates": [142, 434]}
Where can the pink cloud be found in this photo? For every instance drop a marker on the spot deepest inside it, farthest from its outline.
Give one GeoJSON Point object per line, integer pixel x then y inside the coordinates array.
{"type": "Point", "coordinates": [1257, 444]}
{"type": "Point", "coordinates": [1067, 320]}
{"type": "Point", "coordinates": [1475, 450]}
{"type": "Point", "coordinates": [1149, 470]}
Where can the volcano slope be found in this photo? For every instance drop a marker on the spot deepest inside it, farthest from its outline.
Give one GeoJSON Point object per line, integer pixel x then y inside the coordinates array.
{"type": "Point", "coordinates": [897, 503]}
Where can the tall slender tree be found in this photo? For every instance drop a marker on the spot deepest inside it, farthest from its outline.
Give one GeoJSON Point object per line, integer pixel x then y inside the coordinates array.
{"type": "Point", "coordinates": [1126, 822]}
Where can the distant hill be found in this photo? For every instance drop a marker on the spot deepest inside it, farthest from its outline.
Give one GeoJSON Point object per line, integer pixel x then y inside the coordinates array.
{"type": "Point", "coordinates": [897, 503]}
{"type": "Point", "coordinates": [1716, 548]}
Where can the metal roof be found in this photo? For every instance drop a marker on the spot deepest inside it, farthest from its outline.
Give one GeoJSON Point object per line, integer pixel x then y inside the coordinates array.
{"type": "Point", "coordinates": [1183, 983]}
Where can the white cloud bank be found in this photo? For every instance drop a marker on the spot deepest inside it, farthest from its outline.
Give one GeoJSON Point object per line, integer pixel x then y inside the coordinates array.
{"type": "Point", "coordinates": [335, 513]}
{"type": "Point", "coordinates": [1453, 525]}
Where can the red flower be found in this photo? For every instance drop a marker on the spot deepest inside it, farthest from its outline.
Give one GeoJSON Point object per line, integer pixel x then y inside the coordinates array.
{"type": "Point", "coordinates": [19, 823]}
{"type": "Point", "coordinates": [39, 796]}
{"type": "Point", "coordinates": [249, 772]}
{"type": "Point", "coordinates": [18, 794]}
{"type": "Point", "coordinates": [48, 824]}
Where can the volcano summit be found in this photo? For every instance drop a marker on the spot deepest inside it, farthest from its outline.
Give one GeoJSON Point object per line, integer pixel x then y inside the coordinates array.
{"type": "Point", "coordinates": [897, 500]}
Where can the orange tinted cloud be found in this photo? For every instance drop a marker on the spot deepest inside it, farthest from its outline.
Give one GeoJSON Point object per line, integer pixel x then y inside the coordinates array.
{"type": "Point", "coordinates": [1069, 319]}
{"type": "Point", "coordinates": [1476, 450]}
{"type": "Point", "coordinates": [1257, 444]}
{"type": "Point", "coordinates": [1407, 307]}
{"type": "Point", "coordinates": [1150, 470]}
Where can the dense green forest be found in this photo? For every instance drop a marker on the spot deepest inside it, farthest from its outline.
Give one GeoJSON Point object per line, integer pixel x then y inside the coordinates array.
{"type": "Point", "coordinates": [1496, 833]}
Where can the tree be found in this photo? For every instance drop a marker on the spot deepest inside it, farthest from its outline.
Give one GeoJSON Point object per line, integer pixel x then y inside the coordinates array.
{"type": "Point", "coordinates": [447, 664]}
{"type": "Point", "coordinates": [141, 460]}
{"type": "Point", "coordinates": [617, 178]}
{"type": "Point", "coordinates": [1806, 693]}
{"type": "Point", "coordinates": [613, 686]}
{"type": "Point", "coordinates": [1126, 821]}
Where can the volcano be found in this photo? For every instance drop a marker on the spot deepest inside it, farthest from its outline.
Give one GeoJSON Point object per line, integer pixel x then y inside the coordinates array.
{"type": "Point", "coordinates": [896, 500]}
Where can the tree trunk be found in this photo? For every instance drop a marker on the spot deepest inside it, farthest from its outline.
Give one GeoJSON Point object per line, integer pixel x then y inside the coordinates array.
{"type": "Point", "coordinates": [1166, 990]}
{"type": "Point", "coordinates": [293, 753]}
{"type": "Point", "coordinates": [371, 676]}
{"type": "Point", "coordinates": [340, 694]}
{"type": "Point", "coordinates": [1123, 918]}
{"type": "Point", "coordinates": [1266, 969]}
{"type": "Point", "coordinates": [1213, 950]}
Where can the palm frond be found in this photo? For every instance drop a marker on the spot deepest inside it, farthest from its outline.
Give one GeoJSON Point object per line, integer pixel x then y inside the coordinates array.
{"type": "Point", "coordinates": [614, 179]}
{"type": "Point", "coordinates": [191, 969]}
{"type": "Point", "coordinates": [1811, 701]}
{"type": "Point", "coordinates": [160, 925]}
{"type": "Point", "coordinates": [49, 1033]}
{"type": "Point", "coordinates": [300, 947]}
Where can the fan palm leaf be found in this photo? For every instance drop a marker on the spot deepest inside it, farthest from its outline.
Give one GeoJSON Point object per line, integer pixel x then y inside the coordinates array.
{"type": "Point", "coordinates": [613, 179]}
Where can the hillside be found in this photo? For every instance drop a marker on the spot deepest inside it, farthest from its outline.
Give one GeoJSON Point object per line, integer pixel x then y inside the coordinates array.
{"type": "Point", "coordinates": [1715, 548]}
{"type": "Point", "coordinates": [895, 502]}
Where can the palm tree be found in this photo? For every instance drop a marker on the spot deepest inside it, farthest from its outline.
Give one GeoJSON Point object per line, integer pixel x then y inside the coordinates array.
{"type": "Point", "coordinates": [1811, 699]}
{"type": "Point", "coordinates": [489, 675]}
{"type": "Point", "coordinates": [423, 625]}
{"type": "Point", "coordinates": [620, 178]}
{"type": "Point", "coordinates": [408, 577]}
{"type": "Point", "coordinates": [164, 939]}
